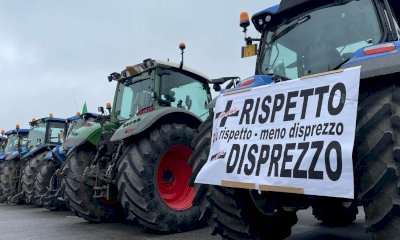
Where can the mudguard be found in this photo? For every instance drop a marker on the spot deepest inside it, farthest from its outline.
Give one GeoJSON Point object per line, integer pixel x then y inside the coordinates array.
{"type": "Point", "coordinates": [4, 155]}
{"type": "Point", "coordinates": [38, 149]}
{"type": "Point", "coordinates": [84, 134]}
{"type": "Point", "coordinates": [140, 123]}
{"type": "Point", "coordinates": [12, 155]}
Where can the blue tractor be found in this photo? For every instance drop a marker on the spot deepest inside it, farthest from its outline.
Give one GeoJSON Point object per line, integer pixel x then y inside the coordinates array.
{"type": "Point", "coordinates": [14, 147]}
{"type": "Point", "coordinates": [45, 134]}
{"type": "Point", "coordinates": [48, 190]}
{"type": "Point", "coordinates": [306, 37]}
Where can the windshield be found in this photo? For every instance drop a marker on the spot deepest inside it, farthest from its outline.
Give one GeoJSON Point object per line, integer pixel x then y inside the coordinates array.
{"type": "Point", "coordinates": [36, 135]}
{"type": "Point", "coordinates": [78, 123]}
{"type": "Point", "coordinates": [319, 41]}
{"type": "Point", "coordinates": [183, 91]}
{"type": "Point", "coordinates": [12, 142]}
{"type": "Point", "coordinates": [133, 95]}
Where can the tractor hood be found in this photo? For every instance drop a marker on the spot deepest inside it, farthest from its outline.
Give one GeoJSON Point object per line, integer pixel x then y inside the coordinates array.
{"type": "Point", "coordinates": [88, 133]}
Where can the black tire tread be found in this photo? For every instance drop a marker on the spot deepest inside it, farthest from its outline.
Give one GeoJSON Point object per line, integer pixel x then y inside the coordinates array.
{"type": "Point", "coordinates": [43, 177]}
{"type": "Point", "coordinates": [377, 140]}
{"type": "Point", "coordinates": [201, 145]}
{"type": "Point", "coordinates": [29, 175]}
{"type": "Point", "coordinates": [234, 216]}
{"type": "Point", "coordinates": [9, 178]}
{"type": "Point", "coordinates": [137, 188]}
{"type": "Point", "coordinates": [79, 197]}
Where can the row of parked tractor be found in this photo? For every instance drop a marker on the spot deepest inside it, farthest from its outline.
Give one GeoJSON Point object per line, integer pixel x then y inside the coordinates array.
{"type": "Point", "coordinates": [128, 160]}
{"type": "Point", "coordinates": [138, 158]}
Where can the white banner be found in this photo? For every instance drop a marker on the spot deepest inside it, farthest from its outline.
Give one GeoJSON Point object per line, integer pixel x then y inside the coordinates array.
{"type": "Point", "coordinates": [295, 136]}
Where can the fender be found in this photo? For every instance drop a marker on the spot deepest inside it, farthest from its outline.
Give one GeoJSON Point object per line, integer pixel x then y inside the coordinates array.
{"type": "Point", "coordinates": [4, 155]}
{"type": "Point", "coordinates": [84, 134]}
{"type": "Point", "coordinates": [376, 64]}
{"type": "Point", "coordinates": [12, 155]}
{"type": "Point", "coordinates": [38, 149]}
{"type": "Point", "coordinates": [140, 123]}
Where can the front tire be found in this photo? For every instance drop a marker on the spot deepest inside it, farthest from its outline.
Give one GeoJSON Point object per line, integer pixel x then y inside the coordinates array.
{"type": "Point", "coordinates": [79, 196]}
{"type": "Point", "coordinates": [153, 180]}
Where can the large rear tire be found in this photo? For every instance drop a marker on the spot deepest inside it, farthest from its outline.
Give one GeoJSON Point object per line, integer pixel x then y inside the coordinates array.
{"type": "Point", "coordinates": [29, 175]}
{"type": "Point", "coordinates": [378, 153]}
{"type": "Point", "coordinates": [201, 148]}
{"type": "Point", "coordinates": [43, 177]}
{"type": "Point", "coordinates": [232, 213]}
{"type": "Point", "coordinates": [79, 196]}
{"type": "Point", "coordinates": [10, 178]}
{"type": "Point", "coordinates": [153, 180]}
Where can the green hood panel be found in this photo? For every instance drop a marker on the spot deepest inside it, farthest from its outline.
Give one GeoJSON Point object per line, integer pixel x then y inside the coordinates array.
{"type": "Point", "coordinates": [84, 134]}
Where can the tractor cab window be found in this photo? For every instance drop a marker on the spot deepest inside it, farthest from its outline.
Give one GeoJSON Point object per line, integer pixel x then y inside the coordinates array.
{"type": "Point", "coordinates": [56, 133]}
{"type": "Point", "coordinates": [14, 141]}
{"type": "Point", "coordinates": [74, 124]}
{"type": "Point", "coordinates": [133, 96]}
{"type": "Point", "coordinates": [78, 123]}
{"type": "Point", "coordinates": [320, 40]}
{"type": "Point", "coordinates": [182, 91]}
{"type": "Point", "coordinates": [37, 135]}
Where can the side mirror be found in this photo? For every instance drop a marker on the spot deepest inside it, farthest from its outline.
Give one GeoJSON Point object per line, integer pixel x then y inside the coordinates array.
{"type": "Point", "coordinates": [217, 87]}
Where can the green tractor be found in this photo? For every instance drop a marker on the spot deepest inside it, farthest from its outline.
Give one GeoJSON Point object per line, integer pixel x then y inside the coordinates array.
{"type": "Point", "coordinates": [310, 37]}
{"type": "Point", "coordinates": [133, 163]}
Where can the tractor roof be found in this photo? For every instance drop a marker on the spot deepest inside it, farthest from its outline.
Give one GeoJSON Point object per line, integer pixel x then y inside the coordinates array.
{"type": "Point", "coordinates": [48, 119]}
{"type": "Point", "coordinates": [151, 64]}
{"type": "Point", "coordinates": [79, 116]}
{"type": "Point", "coordinates": [287, 8]}
{"type": "Point", "coordinates": [187, 69]}
{"type": "Point", "coordinates": [14, 131]}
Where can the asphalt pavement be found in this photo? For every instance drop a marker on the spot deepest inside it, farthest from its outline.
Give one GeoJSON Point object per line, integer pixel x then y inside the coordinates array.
{"type": "Point", "coordinates": [27, 222]}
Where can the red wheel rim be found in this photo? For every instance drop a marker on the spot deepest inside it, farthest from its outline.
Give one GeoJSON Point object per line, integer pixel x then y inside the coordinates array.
{"type": "Point", "coordinates": [172, 178]}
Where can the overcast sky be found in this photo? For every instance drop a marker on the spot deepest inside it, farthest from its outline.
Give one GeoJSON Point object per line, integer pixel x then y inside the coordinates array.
{"type": "Point", "coordinates": [55, 55]}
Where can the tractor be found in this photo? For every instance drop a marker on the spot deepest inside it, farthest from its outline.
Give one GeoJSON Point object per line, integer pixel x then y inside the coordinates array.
{"type": "Point", "coordinates": [299, 39]}
{"type": "Point", "coordinates": [45, 134]}
{"type": "Point", "coordinates": [133, 163]}
{"type": "Point", "coordinates": [48, 190]}
{"type": "Point", "coordinates": [15, 147]}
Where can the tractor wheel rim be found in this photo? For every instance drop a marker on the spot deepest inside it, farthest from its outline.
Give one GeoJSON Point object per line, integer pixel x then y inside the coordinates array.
{"type": "Point", "coordinates": [173, 174]}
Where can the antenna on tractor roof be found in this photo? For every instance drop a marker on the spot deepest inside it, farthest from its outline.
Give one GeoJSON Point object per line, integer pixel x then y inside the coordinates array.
{"type": "Point", "coordinates": [182, 47]}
